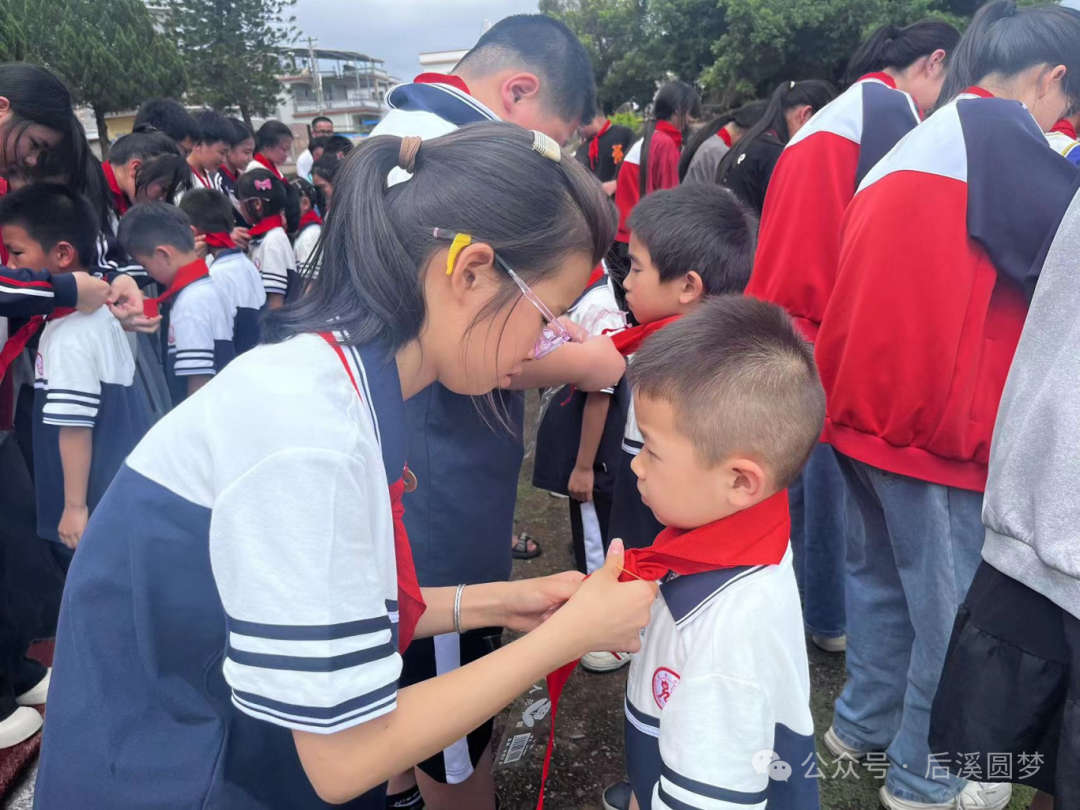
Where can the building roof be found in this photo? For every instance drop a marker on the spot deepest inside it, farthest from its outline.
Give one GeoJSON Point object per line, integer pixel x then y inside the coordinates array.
{"type": "Point", "coordinates": [323, 53]}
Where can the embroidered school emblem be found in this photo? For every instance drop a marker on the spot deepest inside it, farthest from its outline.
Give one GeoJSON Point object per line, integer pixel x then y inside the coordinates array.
{"type": "Point", "coordinates": [617, 154]}
{"type": "Point", "coordinates": [664, 682]}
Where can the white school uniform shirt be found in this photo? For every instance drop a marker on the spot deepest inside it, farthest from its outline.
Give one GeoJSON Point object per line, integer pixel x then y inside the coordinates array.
{"type": "Point", "coordinates": [722, 675]}
{"type": "Point", "coordinates": [273, 255]}
{"type": "Point", "coordinates": [304, 246]}
{"type": "Point", "coordinates": [237, 280]}
{"type": "Point", "coordinates": [200, 330]}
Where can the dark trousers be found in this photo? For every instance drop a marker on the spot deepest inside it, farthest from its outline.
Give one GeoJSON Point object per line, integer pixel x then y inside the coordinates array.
{"type": "Point", "coordinates": [590, 533]}
{"type": "Point", "coordinates": [30, 579]}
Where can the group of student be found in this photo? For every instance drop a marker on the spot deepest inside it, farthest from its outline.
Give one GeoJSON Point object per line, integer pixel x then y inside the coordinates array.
{"type": "Point", "coordinates": [291, 593]}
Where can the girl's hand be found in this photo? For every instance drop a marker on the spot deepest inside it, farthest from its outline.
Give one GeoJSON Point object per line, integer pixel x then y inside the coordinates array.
{"type": "Point", "coordinates": [201, 248]}
{"type": "Point", "coordinates": [606, 614]}
{"type": "Point", "coordinates": [92, 292]}
{"type": "Point", "coordinates": [72, 525]}
{"type": "Point", "coordinates": [242, 237]}
{"type": "Point", "coordinates": [529, 602]}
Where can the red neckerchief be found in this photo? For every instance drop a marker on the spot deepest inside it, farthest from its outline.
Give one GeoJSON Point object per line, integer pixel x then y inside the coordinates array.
{"type": "Point", "coordinates": [979, 91]}
{"type": "Point", "coordinates": [629, 340]}
{"type": "Point", "coordinates": [269, 164]}
{"type": "Point", "coordinates": [443, 78]}
{"type": "Point", "coordinates": [881, 76]}
{"type": "Point", "coordinates": [229, 172]}
{"type": "Point", "coordinates": [310, 218]}
{"type": "Point", "coordinates": [1065, 127]}
{"type": "Point", "coordinates": [202, 177]}
{"type": "Point", "coordinates": [594, 145]}
{"type": "Point", "coordinates": [17, 342]}
{"type": "Point", "coordinates": [188, 274]}
{"type": "Point", "coordinates": [725, 136]}
{"type": "Point", "coordinates": [671, 132]}
{"type": "Point", "coordinates": [410, 600]}
{"type": "Point", "coordinates": [267, 224]}
{"type": "Point", "coordinates": [595, 276]}
{"type": "Point", "coordinates": [221, 240]}
{"type": "Point", "coordinates": [755, 536]}
{"type": "Point", "coordinates": [120, 200]}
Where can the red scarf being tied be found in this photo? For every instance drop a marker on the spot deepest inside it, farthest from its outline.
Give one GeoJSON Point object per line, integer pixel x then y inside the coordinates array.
{"type": "Point", "coordinates": [594, 145]}
{"type": "Point", "coordinates": [188, 274]}
{"type": "Point", "coordinates": [755, 536]}
{"type": "Point", "coordinates": [220, 240]}
{"type": "Point", "coordinates": [410, 601]}
{"type": "Point", "coordinates": [270, 167]}
{"type": "Point", "coordinates": [267, 224]}
{"type": "Point", "coordinates": [629, 340]}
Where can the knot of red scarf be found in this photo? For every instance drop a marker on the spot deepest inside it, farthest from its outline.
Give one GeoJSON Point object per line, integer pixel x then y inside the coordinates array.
{"type": "Point", "coordinates": [594, 145]}
{"type": "Point", "coordinates": [410, 601]}
{"type": "Point", "coordinates": [755, 536]}
{"type": "Point", "coordinates": [219, 240]}
{"type": "Point", "coordinates": [188, 274]}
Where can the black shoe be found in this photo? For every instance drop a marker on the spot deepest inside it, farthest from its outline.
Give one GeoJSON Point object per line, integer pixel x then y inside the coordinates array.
{"type": "Point", "coordinates": [406, 800]}
{"type": "Point", "coordinates": [617, 797]}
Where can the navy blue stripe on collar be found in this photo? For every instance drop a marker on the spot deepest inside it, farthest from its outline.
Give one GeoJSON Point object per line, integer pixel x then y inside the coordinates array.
{"type": "Point", "coordinates": [686, 595]}
{"type": "Point", "coordinates": [381, 387]}
{"type": "Point", "coordinates": [449, 104]}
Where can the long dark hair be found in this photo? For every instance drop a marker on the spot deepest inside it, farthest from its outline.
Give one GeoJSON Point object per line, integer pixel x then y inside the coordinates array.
{"type": "Point", "coordinates": [379, 239]}
{"type": "Point", "coordinates": [37, 96]}
{"type": "Point", "coordinates": [744, 118]}
{"type": "Point", "coordinates": [171, 170]}
{"type": "Point", "coordinates": [787, 95]}
{"type": "Point", "coordinates": [1007, 40]}
{"type": "Point", "coordinates": [674, 98]}
{"type": "Point", "coordinates": [894, 47]}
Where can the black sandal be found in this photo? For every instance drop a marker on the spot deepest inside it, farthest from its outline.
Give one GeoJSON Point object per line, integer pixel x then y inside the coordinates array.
{"type": "Point", "coordinates": [521, 548]}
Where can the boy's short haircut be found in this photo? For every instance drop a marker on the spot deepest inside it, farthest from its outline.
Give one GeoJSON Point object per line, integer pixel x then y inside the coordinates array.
{"type": "Point", "coordinates": [338, 145]}
{"type": "Point", "coordinates": [147, 226]}
{"type": "Point", "coordinates": [318, 142]}
{"type": "Point", "coordinates": [213, 128]}
{"type": "Point", "coordinates": [270, 134]}
{"type": "Point", "coordinates": [209, 210]}
{"type": "Point", "coordinates": [742, 382]}
{"type": "Point", "coordinates": [326, 167]}
{"type": "Point", "coordinates": [239, 132]}
{"type": "Point", "coordinates": [143, 142]}
{"type": "Point", "coordinates": [169, 116]}
{"type": "Point", "coordinates": [319, 119]}
{"type": "Point", "coordinates": [546, 47]}
{"type": "Point", "coordinates": [701, 227]}
{"type": "Point", "coordinates": [51, 213]}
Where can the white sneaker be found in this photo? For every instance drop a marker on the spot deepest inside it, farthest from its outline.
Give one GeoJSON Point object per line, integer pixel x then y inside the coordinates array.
{"type": "Point", "coordinates": [21, 725]}
{"type": "Point", "coordinates": [985, 796]}
{"type": "Point", "coordinates": [891, 802]}
{"type": "Point", "coordinates": [604, 661]}
{"type": "Point", "coordinates": [36, 695]}
{"type": "Point", "coordinates": [840, 749]}
{"type": "Point", "coordinates": [833, 645]}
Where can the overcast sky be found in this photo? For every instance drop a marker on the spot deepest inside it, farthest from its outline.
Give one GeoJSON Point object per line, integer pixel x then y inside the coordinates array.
{"type": "Point", "coordinates": [399, 30]}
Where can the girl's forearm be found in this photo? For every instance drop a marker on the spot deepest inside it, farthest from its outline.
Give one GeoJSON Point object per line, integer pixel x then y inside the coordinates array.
{"type": "Point", "coordinates": [430, 715]}
{"type": "Point", "coordinates": [481, 606]}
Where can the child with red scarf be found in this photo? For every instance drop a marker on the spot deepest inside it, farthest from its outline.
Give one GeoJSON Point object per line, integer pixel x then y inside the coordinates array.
{"type": "Point", "coordinates": [88, 413]}
{"type": "Point", "coordinates": [263, 198]}
{"type": "Point", "coordinates": [718, 699]}
{"type": "Point", "coordinates": [309, 228]}
{"type": "Point", "coordinates": [197, 319]}
{"type": "Point", "coordinates": [603, 148]}
{"type": "Point", "coordinates": [273, 148]}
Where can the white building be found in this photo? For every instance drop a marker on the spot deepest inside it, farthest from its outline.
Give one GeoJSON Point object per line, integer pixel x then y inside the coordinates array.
{"type": "Point", "coordinates": [441, 61]}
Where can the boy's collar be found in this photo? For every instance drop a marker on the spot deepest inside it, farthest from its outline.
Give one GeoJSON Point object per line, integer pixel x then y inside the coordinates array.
{"type": "Point", "coordinates": [686, 595]}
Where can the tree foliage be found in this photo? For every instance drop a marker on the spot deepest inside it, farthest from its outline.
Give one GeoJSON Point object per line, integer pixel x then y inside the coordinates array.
{"type": "Point", "coordinates": [232, 50]}
{"type": "Point", "coordinates": [732, 49]}
{"type": "Point", "coordinates": [107, 51]}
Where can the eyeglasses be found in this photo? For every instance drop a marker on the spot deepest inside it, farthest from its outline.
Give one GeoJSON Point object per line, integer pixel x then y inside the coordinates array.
{"type": "Point", "coordinates": [554, 334]}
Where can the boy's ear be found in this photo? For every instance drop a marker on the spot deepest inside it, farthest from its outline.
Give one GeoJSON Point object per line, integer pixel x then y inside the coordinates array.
{"type": "Point", "coordinates": [163, 253]}
{"type": "Point", "coordinates": [693, 288]}
{"type": "Point", "coordinates": [66, 255]}
{"type": "Point", "coordinates": [134, 165]}
{"type": "Point", "coordinates": [475, 264]}
{"type": "Point", "coordinates": [747, 482]}
{"type": "Point", "coordinates": [517, 87]}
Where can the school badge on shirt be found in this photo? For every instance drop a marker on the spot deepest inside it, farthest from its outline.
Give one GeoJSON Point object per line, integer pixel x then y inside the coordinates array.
{"type": "Point", "coordinates": [172, 335]}
{"type": "Point", "coordinates": [664, 681]}
{"type": "Point", "coordinates": [39, 366]}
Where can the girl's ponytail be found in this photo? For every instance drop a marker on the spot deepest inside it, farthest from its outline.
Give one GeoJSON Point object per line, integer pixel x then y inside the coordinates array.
{"type": "Point", "coordinates": [674, 98]}
{"type": "Point", "coordinates": [894, 47]}
{"type": "Point", "coordinates": [1008, 40]}
{"type": "Point", "coordinates": [381, 236]}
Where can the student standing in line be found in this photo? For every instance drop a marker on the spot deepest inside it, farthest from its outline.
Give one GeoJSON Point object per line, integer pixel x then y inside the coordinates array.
{"type": "Point", "coordinates": [262, 200]}
{"type": "Point", "coordinates": [273, 145]}
{"type": "Point", "coordinates": [212, 147]}
{"type": "Point", "coordinates": [704, 151]}
{"type": "Point", "coordinates": [896, 73]}
{"type": "Point", "coordinates": [910, 411]}
{"type": "Point", "coordinates": [529, 70]}
{"type": "Point", "coordinates": [748, 166]}
{"type": "Point", "coordinates": [294, 679]}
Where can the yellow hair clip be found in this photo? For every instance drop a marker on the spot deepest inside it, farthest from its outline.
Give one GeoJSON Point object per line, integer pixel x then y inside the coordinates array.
{"type": "Point", "coordinates": [461, 241]}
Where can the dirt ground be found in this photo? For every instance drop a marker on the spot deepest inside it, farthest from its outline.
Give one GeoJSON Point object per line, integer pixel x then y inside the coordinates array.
{"type": "Point", "coordinates": [589, 736]}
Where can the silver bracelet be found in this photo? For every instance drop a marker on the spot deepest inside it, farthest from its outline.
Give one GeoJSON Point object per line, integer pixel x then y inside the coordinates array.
{"type": "Point", "coordinates": [457, 609]}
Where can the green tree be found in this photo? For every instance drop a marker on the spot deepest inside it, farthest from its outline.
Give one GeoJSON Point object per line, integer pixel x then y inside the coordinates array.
{"type": "Point", "coordinates": [232, 50]}
{"type": "Point", "coordinates": [12, 36]}
{"type": "Point", "coordinates": [107, 51]}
